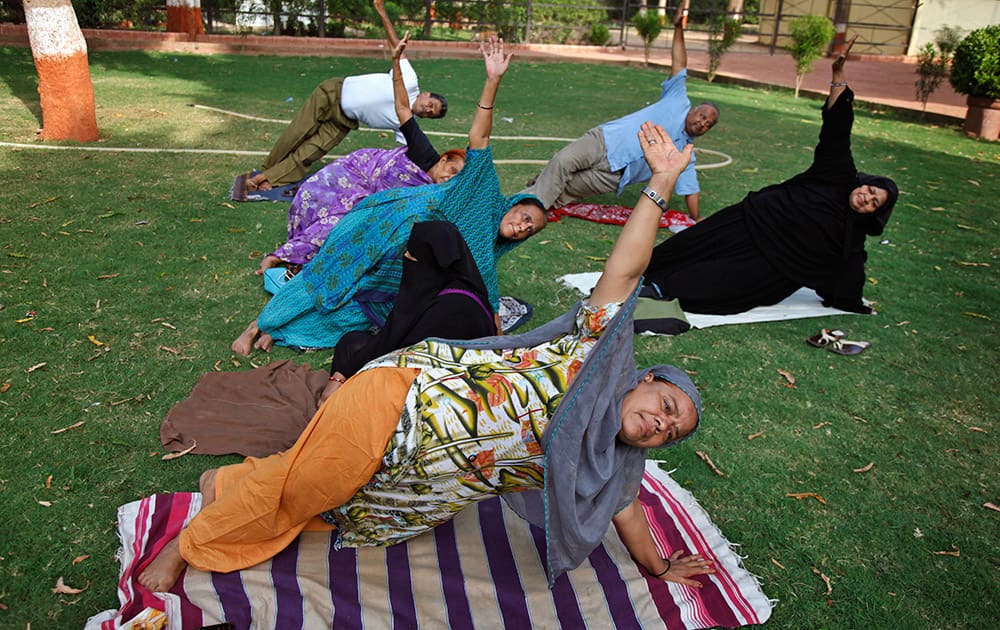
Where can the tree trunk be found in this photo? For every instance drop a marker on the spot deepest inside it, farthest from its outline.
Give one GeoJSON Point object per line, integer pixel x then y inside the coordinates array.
{"type": "Point", "coordinates": [184, 16]}
{"type": "Point", "coordinates": [60, 54]}
{"type": "Point", "coordinates": [798, 83]}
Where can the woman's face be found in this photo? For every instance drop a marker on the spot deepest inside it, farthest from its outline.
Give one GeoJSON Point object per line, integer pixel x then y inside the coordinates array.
{"type": "Point", "coordinates": [446, 168]}
{"type": "Point", "coordinates": [521, 221]}
{"type": "Point", "coordinates": [656, 413]}
{"type": "Point", "coordinates": [867, 198]}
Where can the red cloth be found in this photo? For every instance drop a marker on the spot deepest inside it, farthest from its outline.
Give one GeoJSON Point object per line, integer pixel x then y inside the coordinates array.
{"type": "Point", "coordinates": [615, 215]}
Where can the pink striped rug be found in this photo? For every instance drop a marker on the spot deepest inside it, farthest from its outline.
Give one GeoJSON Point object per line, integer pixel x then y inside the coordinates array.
{"type": "Point", "coordinates": [614, 215]}
{"type": "Point", "coordinates": [482, 570]}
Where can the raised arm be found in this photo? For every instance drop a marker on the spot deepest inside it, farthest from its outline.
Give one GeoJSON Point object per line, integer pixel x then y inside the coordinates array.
{"type": "Point", "coordinates": [838, 82]}
{"type": "Point", "coordinates": [401, 98]}
{"type": "Point", "coordinates": [678, 51]}
{"type": "Point", "coordinates": [634, 247]}
{"type": "Point", "coordinates": [482, 121]}
{"type": "Point", "coordinates": [390, 31]}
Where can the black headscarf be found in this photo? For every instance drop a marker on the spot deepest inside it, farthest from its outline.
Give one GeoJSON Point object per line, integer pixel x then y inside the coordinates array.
{"type": "Point", "coordinates": [877, 220]}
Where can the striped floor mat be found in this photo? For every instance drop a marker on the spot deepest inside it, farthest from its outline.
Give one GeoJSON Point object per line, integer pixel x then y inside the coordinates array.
{"type": "Point", "coordinates": [482, 570]}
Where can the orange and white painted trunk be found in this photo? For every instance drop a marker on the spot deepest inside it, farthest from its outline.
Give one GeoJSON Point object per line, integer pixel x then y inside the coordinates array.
{"type": "Point", "coordinates": [184, 16]}
{"type": "Point", "coordinates": [60, 54]}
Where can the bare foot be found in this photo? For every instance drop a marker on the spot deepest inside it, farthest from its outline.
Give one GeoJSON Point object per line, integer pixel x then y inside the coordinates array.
{"type": "Point", "coordinates": [264, 342]}
{"type": "Point", "coordinates": [258, 182]}
{"type": "Point", "coordinates": [268, 262]}
{"type": "Point", "coordinates": [163, 571]}
{"type": "Point", "coordinates": [206, 485]}
{"type": "Point", "coordinates": [244, 344]}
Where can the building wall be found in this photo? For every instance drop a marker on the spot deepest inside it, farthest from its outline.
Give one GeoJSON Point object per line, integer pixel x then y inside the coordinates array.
{"type": "Point", "coordinates": [966, 14]}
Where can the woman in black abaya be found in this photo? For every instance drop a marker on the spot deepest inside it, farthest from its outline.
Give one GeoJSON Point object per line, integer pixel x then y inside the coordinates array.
{"type": "Point", "coordinates": [807, 231]}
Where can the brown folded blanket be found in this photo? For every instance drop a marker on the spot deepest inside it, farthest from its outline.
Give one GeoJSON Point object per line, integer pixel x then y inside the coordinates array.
{"type": "Point", "coordinates": [257, 413]}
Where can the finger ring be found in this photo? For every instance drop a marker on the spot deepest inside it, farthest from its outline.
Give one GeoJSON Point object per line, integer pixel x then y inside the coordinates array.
{"type": "Point", "coordinates": [651, 141]}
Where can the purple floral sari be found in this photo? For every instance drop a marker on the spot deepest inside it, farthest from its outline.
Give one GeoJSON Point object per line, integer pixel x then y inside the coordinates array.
{"type": "Point", "coordinates": [332, 192]}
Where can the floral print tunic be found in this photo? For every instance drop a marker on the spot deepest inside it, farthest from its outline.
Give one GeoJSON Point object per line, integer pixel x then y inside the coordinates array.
{"type": "Point", "coordinates": [471, 428]}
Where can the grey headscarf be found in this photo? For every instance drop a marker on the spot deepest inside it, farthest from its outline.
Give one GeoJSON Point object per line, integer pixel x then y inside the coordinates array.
{"type": "Point", "coordinates": [589, 474]}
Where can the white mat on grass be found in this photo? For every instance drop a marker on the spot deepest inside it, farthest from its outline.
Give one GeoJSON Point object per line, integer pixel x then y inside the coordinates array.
{"type": "Point", "coordinates": [799, 305]}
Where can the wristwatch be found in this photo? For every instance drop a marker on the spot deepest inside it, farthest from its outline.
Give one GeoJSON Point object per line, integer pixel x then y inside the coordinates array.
{"type": "Point", "coordinates": [655, 197]}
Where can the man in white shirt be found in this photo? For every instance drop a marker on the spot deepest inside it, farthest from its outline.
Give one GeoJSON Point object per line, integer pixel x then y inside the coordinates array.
{"type": "Point", "coordinates": [337, 106]}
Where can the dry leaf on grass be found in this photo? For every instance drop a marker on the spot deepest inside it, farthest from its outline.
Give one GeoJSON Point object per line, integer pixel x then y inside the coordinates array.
{"type": "Point", "coordinates": [805, 495]}
{"type": "Point", "coordinates": [788, 377]}
{"type": "Point", "coordinates": [969, 263]}
{"type": "Point", "coordinates": [173, 351]}
{"type": "Point", "coordinates": [79, 559]}
{"type": "Point", "coordinates": [568, 246]}
{"type": "Point", "coordinates": [48, 481]}
{"type": "Point", "coordinates": [45, 503]}
{"type": "Point", "coordinates": [992, 506]}
{"type": "Point", "coordinates": [35, 367]}
{"type": "Point", "coordinates": [708, 460]}
{"type": "Point", "coordinates": [826, 580]}
{"type": "Point", "coordinates": [4, 387]}
{"type": "Point", "coordinates": [777, 564]}
{"type": "Point", "coordinates": [108, 276]}
{"type": "Point", "coordinates": [168, 325]}
{"type": "Point", "coordinates": [75, 425]}
{"type": "Point", "coordinates": [94, 340]}
{"type": "Point", "coordinates": [954, 552]}
{"type": "Point", "coordinates": [977, 429]}
{"type": "Point", "coordinates": [61, 587]}
{"type": "Point", "coordinates": [756, 435]}
{"type": "Point", "coordinates": [865, 469]}
{"type": "Point", "coordinates": [170, 456]}
{"type": "Point", "coordinates": [979, 315]}
{"type": "Point", "coordinates": [693, 357]}
{"type": "Point", "coordinates": [821, 425]}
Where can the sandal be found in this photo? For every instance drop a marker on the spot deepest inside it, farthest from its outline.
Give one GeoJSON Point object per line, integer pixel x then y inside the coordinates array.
{"type": "Point", "coordinates": [825, 337]}
{"type": "Point", "coordinates": [849, 348]}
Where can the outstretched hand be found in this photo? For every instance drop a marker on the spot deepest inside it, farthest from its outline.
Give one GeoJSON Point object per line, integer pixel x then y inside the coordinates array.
{"type": "Point", "coordinates": [494, 58]}
{"type": "Point", "coordinates": [683, 567]}
{"type": "Point", "coordinates": [680, 18]}
{"type": "Point", "coordinates": [397, 52]}
{"type": "Point", "coordinates": [838, 63]}
{"type": "Point", "coordinates": [659, 150]}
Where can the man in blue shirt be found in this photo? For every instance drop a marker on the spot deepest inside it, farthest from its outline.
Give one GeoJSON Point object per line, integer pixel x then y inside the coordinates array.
{"type": "Point", "coordinates": [608, 158]}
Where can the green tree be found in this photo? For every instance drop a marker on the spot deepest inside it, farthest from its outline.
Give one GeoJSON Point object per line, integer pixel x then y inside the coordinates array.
{"type": "Point", "coordinates": [933, 61]}
{"type": "Point", "coordinates": [721, 36]}
{"type": "Point", "coordinates": [810, 36]}
{"type": "Point", "coordinates": [648, 24]}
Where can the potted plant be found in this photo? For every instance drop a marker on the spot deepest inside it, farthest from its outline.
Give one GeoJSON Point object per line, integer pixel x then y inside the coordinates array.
{"type": "Point", "coordinates": [975, 72]}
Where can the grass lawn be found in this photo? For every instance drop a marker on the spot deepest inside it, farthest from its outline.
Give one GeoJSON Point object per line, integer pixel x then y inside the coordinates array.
{"type": "Point", "coordinates": [138, 271]}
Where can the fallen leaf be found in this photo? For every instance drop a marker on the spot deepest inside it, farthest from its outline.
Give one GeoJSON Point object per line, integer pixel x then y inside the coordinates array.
{"type": "Point", "coordinates": [48, 482]}
{"type": "Point", "coordinates": [169, 456]}
{"type": "Point", "coordinates": [545, 242]}
{"type": "Point", "coordinates": [17, 255]}
{"type": "Point", "coordinates": [705, 458]}
{"type": "Point", "coordinates": [61, 587]}
{"type": "Point", "coordinates": [821, 425]}
{"type": "Point", "coordinates": [917, 533]}
{"type": "Point", "coordinates": [217, 366]}
{"type": "Point", "coordinates": [977, 429]}
{"type": "Point", "coordinates": [72, 426]}
{"type": "Point", "coordinates": [937, 209]}
{"type": "Point", "coordinates": [872, 281]}
{"type": "Point", "coordinates": [826, 580]}
{"type": "Point", "coordinates": [777, 564]}
{"type": "Point", "coordinates": [39, 203]}
{"type": "Point", "coordinates": [4, 387]}
{"type": "Point", "coordinates": [229, 205]}
{"type": "Point", "coordinates": [756, 435]}
{"type": "Point", "coordinates": [964, 227]}
{"type": "Point", "coordinates": [805, 495]}
{"type": "Point", "coordinates": [168, 325]}
{"type": "Point", "coordinates": [568, 246]}
{"type": "Point", "coordinates": [79, 559]}
{"type": "Point", "coordinates": [864, 469]}
{"type": "Point", "coordinates": [174, 351]}
{"type": "Point", "coordinates": [972, 264]}
{"type": "Point", "coordinates": [991, 506]}
{"type": "Point", "coordinates": [35, 367]}
{"type": "Point", "coordinates": [788, 377]}
{"type": "Point", "coordinates": [690, 356]}
{"type": "Point", "coordinates": [973, 182]}
{"type": "Point", "coordinates": [954, 552]}
{"type": "Point", "coordinates": [95, 341]}
{"type": "Point", "coordinates": [108, 276]}
{"type": "Point", "coordinates": [597, 258]}
{"type": "Point", "coordinates": [45, 503]}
